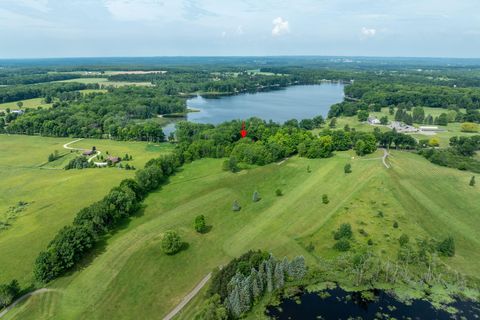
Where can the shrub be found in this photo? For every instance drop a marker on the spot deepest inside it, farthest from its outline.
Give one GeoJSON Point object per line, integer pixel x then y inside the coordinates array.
{"type": "Point", "coordinates": [310, 247]}
{"type": "Point", "coordinates": [347, 168]}
{"type": "Point", "coordinates": [395, 224]}
{"type": "Point", "coordinates": [8, 292]}
{"type": "Point", "coordinates": [469, 127]}
{"type": "Point", "coordinates": [278, 193]}
{"type": "Point", "coordinates": [325, 199]}
{"type": "Point", "coordinates": [370, 242]}
{"type": "Point", "coordinates": [256, 197]}
{"type": "Point", "coordinates": [342, 245]}
{"type": "Point", "coordinates": [236, 206]}
{"type": "Point", "coordinates": [171, 242]}
{"type": "Point", "coordinates": [343, 232]}
{"type": "Point", "coordinates": [200, 225]}
{"type": "Point", "coordinates": [403, 240]}
{"type": "Point", "coordinates": [231, 164]}
{"type": "Point", "coordinates": [472, 181]}
{"type": "Point", "coordinates": [447, 247]}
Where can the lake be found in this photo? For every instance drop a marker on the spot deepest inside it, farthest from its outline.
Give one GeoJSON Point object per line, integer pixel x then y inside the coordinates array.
{"type": "Point", "coordinates": [339, 304]}
{"type": "Point", "coordinates": [299, 102]}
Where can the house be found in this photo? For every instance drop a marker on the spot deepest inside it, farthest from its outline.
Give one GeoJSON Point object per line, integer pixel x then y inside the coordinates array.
{"type": "Point", "coordinates": [403, 128]}
{"type": "Point", "coordinates": [19, 112]}
{"type": "Point", "coordinates": [373, 120]}
{"type": "Point", "coordinates": [88, 152]}
{"type": "Point", "coordinates": [429, 128]}
{"type": "Point", "coordinates": [113, 160]}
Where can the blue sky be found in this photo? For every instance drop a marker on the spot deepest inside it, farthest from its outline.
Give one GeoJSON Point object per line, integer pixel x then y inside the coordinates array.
{"type": "Point", "coordinates": [79, 28]}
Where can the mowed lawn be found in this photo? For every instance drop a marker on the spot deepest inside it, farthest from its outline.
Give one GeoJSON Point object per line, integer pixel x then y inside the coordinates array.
{"type": "Point", "coordinates": [27, 103]}
{"type": "Point", "coordinates": [130, 277]}
{"type": "Point", "coordinates": [53, 195]}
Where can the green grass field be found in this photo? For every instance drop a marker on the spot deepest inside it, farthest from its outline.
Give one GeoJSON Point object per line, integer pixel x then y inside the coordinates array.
{"type": "Point", "coordinates": [129, 277]}
{"type": "Point", "coordinates": [54, 195]}
{"type": "Point", "coordinates": [105, 82]}
{"type": "Point", "coordinates": [28, 103]}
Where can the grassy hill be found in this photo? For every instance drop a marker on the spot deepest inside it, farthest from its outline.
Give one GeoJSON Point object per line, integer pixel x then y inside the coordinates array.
{"type": "Point", "coordinates": [53, 195]}
{"type": "Point", "coordinates": [129, 277]}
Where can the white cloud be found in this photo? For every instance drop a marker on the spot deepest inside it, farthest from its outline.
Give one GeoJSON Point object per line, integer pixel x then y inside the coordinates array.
{"type": "Point", "coordinates": [280, 26]}
{"type": "Point", "coordinates": [368, 32]}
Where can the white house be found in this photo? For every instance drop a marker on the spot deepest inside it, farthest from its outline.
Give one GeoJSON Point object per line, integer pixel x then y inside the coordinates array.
{"type": "Point", "coordinates": [373, 120]}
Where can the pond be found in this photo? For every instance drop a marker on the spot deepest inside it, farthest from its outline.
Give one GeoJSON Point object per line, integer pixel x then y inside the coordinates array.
{"type": "Point", "coordinates": [339, 304]}
{"type": "Point", "coordinates": [299, 102]}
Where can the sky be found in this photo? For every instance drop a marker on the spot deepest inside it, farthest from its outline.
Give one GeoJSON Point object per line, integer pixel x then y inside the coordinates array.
{"type": "Point", "coordinates": [92, 28]}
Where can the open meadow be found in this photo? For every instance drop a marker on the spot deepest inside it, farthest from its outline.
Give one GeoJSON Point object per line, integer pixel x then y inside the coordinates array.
{"type": "Point", "coordinates": [128, 276]}
{"type": "Point", "coordinates": [52, 195]}
{"type": "Point", "coordinates": [27, 103]}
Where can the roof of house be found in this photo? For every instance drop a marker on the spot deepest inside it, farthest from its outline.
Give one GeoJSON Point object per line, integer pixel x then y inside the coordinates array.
{"type": "Point", "coordinates": [113, 159]}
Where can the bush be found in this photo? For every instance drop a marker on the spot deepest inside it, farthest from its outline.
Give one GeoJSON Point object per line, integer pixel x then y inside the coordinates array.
{"type": "Point", "coordinates": [343, 232]}
{"type": "Point", "coordinates": [236, 206]}
{"type": "Point", "coordinates": [8, 292]}
{"type": "Point", "coordinates": [469, 127]}
{"type": "Point", "coordinates": [447, 247]}
{"type": "Point", "coordinates": [370, 242]}
{"type": "Point", "coordinates": [395, 224]}
{"type": "Point", "coordinates": [256, 197]}
{"type": "Point", "coordinates": [310, 247]}
{"type": "Point", "coordinates": [347, 168]}
{"type": "Point", "coordinates": [200, 225]}
{"type": "Point", "coordinates": [325, 199]}
{"type": "Point", "coordinates": [171, 242]}
{"type": "Point", "coordinates": [231, 164]}
{"type": "Point", "coordinates": [278, 193]}
{"type": "Point", "coordinates": [403, 240]}
{"type": "Point", "coordinates": [342, 245]}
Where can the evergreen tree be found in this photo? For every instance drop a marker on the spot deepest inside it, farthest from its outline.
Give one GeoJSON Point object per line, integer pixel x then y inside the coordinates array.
{"type": "Point", "coordinates": [256, 197]}
{"type": "Point", "coordinates": [279, 276]}
{"type": "Point", "coordinates": [256, 289]}
{"type": "Point", "coordinates": [472, 181]}
{"type": "Point", "coordinates": [347, 168]}
{"type": "Point", "coordinates": [236, 206]}
{"type": "Point", "coordinates": [269, 275]}
{"type": "Point", "coordinates": [297, 268]}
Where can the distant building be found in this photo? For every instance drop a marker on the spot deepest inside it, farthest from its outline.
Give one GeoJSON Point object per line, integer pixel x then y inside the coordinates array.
{"type": "Point", "coordinates": [373, 120]}
{"type": "Point", "coordinates": [18, 111]}
{"type": "Point", "coordinates": [88, 152]}
{"type": "Point", "coordinates": [429, 128]}
{"type": "Point", "coordinates": [113, 160]}
{"type": "Point", "coordinates": [400, 127]}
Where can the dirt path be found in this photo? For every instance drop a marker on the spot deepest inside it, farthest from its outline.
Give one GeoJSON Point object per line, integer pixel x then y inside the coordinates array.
{"type": "Point", "coordinates": [22, 298]}
{"type": "Point", "coordinates": [66, 146]}
{"type": "Point", "coordinates": [384, 158]}
{"type": "Point", "coordinates": [279, 163]}
{"type": "Point", "coordinates": [188, 297]}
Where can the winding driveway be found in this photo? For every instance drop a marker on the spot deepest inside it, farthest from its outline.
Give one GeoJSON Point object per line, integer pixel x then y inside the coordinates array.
{"type": "Point", "coordinates": [22, 298]}
{"type": "Point", "coordinates": [66, 146]}
{"type": "Point", "coordinates": [384, 158]}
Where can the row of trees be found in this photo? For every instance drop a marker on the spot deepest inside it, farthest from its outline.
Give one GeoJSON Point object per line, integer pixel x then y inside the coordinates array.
{"type": "Point", "coordinates": [73, 242]}
{"type": "Point", "coordinates": [22, 92]}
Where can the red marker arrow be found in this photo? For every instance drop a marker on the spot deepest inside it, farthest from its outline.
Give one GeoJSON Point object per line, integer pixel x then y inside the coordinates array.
{"type": "Point", "coordinates": [243, 132]}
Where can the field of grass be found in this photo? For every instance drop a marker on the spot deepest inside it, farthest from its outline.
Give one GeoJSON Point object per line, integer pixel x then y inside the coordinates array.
{"type": "Point", "coordinates": [129, 276]}
{"type": "Point", "coordinates": [105, 82]}
{"type": "Point", "coordinates": [28, 103]}
{"type": "Point", "coordinates": [53, 195]}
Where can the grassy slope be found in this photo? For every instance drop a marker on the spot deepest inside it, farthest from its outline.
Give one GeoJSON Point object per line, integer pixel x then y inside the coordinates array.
{"type": "Point", "coordinates": [54, 195]}
{"type": "Point", "coordinates": [28, 103]}
{"type": "Point", "coordinates": [132, 278]}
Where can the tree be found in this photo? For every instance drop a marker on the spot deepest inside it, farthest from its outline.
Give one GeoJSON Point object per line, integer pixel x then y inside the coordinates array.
{"type": "Point", "coordinates": [171, 242]}
{"type": "Point", "coordinates": [472, 181]}
{"type": "Point", "coordinates": [433, 142]}
{"type": "Point", "coordinates": [236, 206]}
{"type": "Point", "coordinates": [8, 292]}
{"type": "Point", "coordinates": [278, 192]}
{"type": "Point", "coordinates": [447, 247]}
{"type": "Point", "coordinates": [403, 240]}
{"type": "Point", "coordinates": [362, 115]}
{"type": "Point", "coordinates": [279, 276]}
{"type": "Point", "coordinates": [418, 115]}
{"type": "Point", "coordinates": [333, 123]}
{"type": "Point", "coordinates": [347, 168]}
{"type": "Point", "coordinates": [325, 199]}
{"type": "Point", "coordinates": [344, 231]}
{"type": "Point", "coordinates": [360, 147]}
{"type": "Point", "coordinates": [297, 268]}
{"type": "Point", "coordinates": [231, 164]}
{"type": "Point", "coordinates": [200, 225]}
{"type": "Point", "coordinates": [469, 127]}
{"type": "Point", "coordinates": [384, 120]}
{"type": "Point", "coordinates": [19, 104]}
{"type": "Point", "coordinates": [256, 197]}
{"type": "Point", "coordinates": [442, 119]}
{"type": "Point", "coordinates": [342, 245]}
{"type": "Point", "coordinates": [395, 224]}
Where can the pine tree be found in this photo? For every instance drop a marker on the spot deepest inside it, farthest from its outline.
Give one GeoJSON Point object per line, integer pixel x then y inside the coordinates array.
{"type": "Point", "coordinates": [245, 294]}
{"type": "Point", "coordinates": [256, 290]}
{"type": "Point", "coordinates": [279, 276]}
{"type": "Point", "coordinates": [269, 275]}
{"type": "Point", "coordinates": [256, 197]}
{"type": "Point", "coordinates": [472, 181]}
{"type": "Point", "coordinates": [297, 268]}
{"type": "Point", "coordinates": [236, 206]}
{"type": "Point", "coordinates": [262, 277]}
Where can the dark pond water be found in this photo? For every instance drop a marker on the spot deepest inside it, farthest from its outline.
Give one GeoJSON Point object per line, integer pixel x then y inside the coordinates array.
{"type": "Point", "coordinates": [340, 304]}
{"type": "Point", "coordinates": [297, 102]}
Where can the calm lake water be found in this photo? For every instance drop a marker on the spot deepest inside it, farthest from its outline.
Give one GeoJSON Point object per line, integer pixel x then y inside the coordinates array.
{"type": "Point", "coordinates": [339, 304]}
{"type": "Point", "coordinates": [299, 102]}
